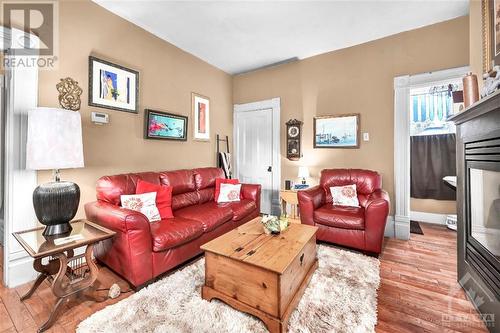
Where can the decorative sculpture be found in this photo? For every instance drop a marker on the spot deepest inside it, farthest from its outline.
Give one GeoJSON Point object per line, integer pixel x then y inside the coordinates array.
{"type": "Point", "coordinates": [69, 94]}
{"type": "Point", "coordinates": [491, 81]}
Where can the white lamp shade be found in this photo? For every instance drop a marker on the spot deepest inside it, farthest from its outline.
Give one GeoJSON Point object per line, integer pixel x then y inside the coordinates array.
{"type": "Point", "coordinates": [54, 139]}
{"type": "Point", "coordinates": [303, 172]}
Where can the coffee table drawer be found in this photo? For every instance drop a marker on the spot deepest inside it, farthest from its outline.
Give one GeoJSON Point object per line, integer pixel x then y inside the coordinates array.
{"type": "Point", "coordinates": [246, 283]}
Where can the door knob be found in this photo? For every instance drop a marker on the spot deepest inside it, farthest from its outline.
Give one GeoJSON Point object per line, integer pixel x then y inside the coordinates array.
{"type": "Point", "coordinates": [269, 169]}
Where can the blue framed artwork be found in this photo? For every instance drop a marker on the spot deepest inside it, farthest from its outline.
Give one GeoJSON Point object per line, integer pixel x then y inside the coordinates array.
{"type": "Point", "coordinates": [165, 126]}
{"type": "Point", "coordinates": [113, 86]}
{"type": "Point", "coordinates": [340, 131]}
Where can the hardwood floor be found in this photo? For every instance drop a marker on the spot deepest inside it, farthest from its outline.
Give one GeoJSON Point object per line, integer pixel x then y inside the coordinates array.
{"type": "Point", "coordinates": [418, 292]}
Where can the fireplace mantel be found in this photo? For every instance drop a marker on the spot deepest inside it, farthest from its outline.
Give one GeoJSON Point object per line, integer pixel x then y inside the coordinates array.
{"type": "Point", "coordinates": [485, 105]}
{"type": "Point", "coordinates": [478, 152]}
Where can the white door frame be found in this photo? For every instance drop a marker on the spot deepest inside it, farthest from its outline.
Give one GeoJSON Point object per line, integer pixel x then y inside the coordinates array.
{"type": "Point", "coordinates": [273, 104]}
{"type": "Point", "coordinates": [402, 86]}
{"type": "Point", "coordinates": [21, 94]}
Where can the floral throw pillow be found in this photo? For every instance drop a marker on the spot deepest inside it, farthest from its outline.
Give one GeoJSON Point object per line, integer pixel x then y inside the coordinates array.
{"type": "Point", "coordinates": [229, 193]}
{"type": "Point", "coordinates": [144, 203]}
{"type": "Point", "coordinates": [345, 195]}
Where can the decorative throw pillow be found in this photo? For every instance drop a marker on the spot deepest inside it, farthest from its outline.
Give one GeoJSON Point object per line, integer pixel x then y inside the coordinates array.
{"type": "Point", "coordinates": [229, 193]}
{"type": "Point", "coordinates": [345, 195]}
{"type": "Point", "coordinates": [144, 203]}
{"type": "Point", "coordinates": [163, 197]}
{"type": "Point", "coordinates": [219, 181]}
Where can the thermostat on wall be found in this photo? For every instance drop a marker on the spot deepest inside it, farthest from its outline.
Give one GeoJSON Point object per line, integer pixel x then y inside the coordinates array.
{"type": "Point", "coordinates": [100, 118]}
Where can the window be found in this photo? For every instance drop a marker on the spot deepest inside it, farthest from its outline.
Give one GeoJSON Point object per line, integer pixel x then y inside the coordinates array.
{"type": "Point", "coordinates": [430, 108]}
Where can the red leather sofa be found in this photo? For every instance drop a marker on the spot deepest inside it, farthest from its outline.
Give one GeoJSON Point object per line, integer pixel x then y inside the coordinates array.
{"type": "Point", "coordinates": [361, 227]}
{"type": "Point", "coordinates": [141, 250]}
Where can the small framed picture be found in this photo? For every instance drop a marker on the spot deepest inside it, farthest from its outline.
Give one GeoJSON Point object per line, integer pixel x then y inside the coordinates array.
{"type": "Point", "coordinates": [337, 131]}
{"type": "Point", "coordinates": [165, 126]}
{"type": "Point", "coordinates": [113, 86]}
{"type": "Point", "coordinates": [201, 117]}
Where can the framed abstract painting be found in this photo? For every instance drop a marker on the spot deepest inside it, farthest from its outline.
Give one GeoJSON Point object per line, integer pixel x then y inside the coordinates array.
{"type": "Point", "coordinates": [113, 86]}
{"type": "Point", "coordinates": [341, 131]}
{"type": "Point", "coordinates": [165, 126]}
{"type": "Point", "coordinates": [201, 117]}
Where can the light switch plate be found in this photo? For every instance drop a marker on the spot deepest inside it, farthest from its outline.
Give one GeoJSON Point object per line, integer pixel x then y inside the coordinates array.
{"type": "Point", "coordinates": [366, 136]}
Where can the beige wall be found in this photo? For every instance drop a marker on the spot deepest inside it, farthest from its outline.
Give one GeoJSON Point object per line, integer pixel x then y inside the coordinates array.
{"type": "Point", "coordinates": [358, 79]}
{"type": "Point", "coordinates": [475, 39]}
{"type": "Point", "coordinates": [168, 75]}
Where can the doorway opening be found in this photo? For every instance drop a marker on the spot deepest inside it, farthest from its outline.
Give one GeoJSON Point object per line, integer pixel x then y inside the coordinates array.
{"type": "Point", "coordinates": [417, 89]}
{"type": "Point", "coordinates": [433, 152]}
{"type": "Point", "coordinates": [257, 149]}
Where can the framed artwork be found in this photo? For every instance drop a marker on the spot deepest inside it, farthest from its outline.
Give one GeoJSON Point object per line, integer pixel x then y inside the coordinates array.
{"type": "Point", "coordinates": [165, 126]}
{"type": "Point", "coordinates": [201, 117]}
{"type": "Point", "coordinates": [340, 131]}
{"type": "Point", "coordinates": [490, 12]}
{"type": "Point", "coordinates": [113, 86]}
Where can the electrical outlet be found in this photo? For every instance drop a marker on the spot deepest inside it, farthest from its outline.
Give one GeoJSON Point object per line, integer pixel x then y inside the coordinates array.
{"type": "Point", "coordinates": [366, 136]}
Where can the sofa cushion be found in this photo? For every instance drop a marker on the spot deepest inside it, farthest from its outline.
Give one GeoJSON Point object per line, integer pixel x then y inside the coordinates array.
{"type": "Point", "coordinates": [170, 233]}
{"type": "Point", "coordinates": [205, 177]}
{"type": "Point", "coordinates": [340, 216]}
{"type": "Point", "coordinates": [241, 209]}
{"type": "Point", "coordinates": [163, 196]}
{"type": "Point", "coordinates": [110, 188]}
{"type": "Point", "coordinates": [183, 187]}
{"type": "Point", "coordinates": [209, 214]}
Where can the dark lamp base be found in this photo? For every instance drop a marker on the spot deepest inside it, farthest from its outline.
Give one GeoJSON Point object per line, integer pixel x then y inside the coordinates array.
{"type": "Point", "coordinates": [55, 205]}
{"type": "Point", "coordinates": [57, 229]}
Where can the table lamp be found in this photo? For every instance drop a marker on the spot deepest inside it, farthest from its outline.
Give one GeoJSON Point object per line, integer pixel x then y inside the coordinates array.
{"type": "Point", "coordinates": [303, 173]}
{"type": "Point", "coordinates": [55, 142]}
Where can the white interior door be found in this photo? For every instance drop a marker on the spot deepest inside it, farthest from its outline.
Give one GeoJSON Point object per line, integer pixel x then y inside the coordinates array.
{"type": "Point", "coordinates": [254, 152]}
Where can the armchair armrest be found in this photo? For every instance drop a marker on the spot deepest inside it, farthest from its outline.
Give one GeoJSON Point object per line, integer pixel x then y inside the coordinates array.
{"type": "Point", "coordinates": [252, 192]}
{"type": "Point", "coordinates": [310, 200]}
{"type": "Point", "coordinates": [376, 212]}
{"type": "Point", "coordinates": [131, 251]}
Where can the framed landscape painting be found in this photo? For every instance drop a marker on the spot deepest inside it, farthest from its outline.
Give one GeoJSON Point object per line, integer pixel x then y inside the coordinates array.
{"type": "Point", "coordinates": [113, 86]}
{"type": "Point", "coordinates": [201, 117]}
{"type": "Point", "coordinates": [337, 131]}
{"type": "Point", "coordinates": [165, 126]}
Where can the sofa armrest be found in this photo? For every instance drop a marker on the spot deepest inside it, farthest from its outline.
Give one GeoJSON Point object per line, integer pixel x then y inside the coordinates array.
{"type": "Point", "coordinates": [376, 212]}
{"type": "Point", "coordinates": [252, 192]}
{"type": "Point", "coordinates": [131, 252]}
{"type": "Point", "coordinates": [310, 200]}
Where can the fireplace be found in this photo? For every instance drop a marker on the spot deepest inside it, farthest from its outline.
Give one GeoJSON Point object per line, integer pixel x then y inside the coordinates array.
{"type": "Point", "coordinates": [482, 208]}
{"type": "Point", "coordinates": [478, 206]}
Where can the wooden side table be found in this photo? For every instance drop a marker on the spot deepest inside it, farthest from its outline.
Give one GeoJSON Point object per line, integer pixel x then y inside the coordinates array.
{"type": "Point", "coordinates": [67, 273]}
{"type": "Point", "coordinates": [289, 197]}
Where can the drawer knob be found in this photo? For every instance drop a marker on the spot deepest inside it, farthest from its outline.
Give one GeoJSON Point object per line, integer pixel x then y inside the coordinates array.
{"type": "Point", "coordinates": [302, 259]}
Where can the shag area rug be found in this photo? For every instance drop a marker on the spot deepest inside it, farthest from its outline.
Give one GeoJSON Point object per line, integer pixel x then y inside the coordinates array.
{"type": "Point", "coordinates": [341, 297]}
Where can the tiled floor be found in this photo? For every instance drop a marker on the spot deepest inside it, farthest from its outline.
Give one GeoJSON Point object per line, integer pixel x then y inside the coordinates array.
{"type": "Point", "coordinates": [418, 288]}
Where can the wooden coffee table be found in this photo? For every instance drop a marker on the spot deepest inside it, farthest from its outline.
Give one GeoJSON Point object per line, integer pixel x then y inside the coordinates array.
{"type": "Point", "coordinates": [261, 274]}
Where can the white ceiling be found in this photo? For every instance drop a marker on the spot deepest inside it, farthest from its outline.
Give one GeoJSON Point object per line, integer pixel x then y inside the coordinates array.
{"type": "Point", "coordinates": [239, 36]}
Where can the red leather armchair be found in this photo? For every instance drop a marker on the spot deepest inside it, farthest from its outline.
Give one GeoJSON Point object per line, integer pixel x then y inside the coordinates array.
{"type": "Point", "coordinates": [361, 227]}
{"type": "Point", "coordinates": [141, 250]}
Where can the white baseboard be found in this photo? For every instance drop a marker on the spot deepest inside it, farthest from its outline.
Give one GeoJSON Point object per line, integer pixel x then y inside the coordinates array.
{"type": "Point", "coordinates": [428, 217]}
{"type": "Point", "coordinates": [21, 269]}
{"type": "Point", "coordinates": [389, 227]}
{"type": "Point", "coordinates": [402, 227]}
{"type": "Point", "coordinates": [1, 231]}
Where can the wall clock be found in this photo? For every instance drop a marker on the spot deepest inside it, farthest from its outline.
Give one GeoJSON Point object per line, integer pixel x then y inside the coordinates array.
{"type": "Point", "coordinates": [294, 139]}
